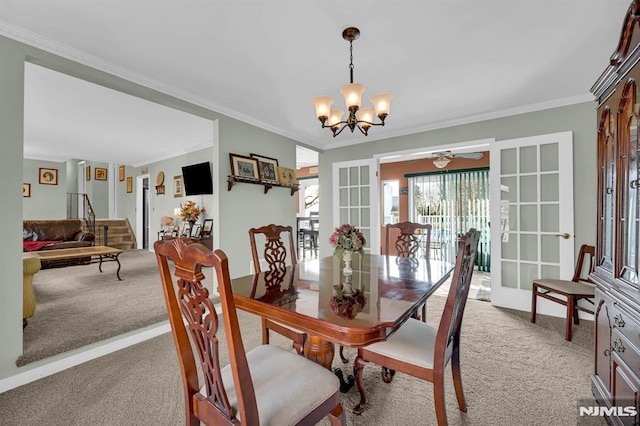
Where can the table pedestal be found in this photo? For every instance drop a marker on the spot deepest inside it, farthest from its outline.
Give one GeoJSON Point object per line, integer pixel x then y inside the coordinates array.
{"type": "Point", "coordinates": [322, 352]}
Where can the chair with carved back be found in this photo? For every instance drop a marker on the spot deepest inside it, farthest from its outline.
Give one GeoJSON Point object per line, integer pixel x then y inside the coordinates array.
{"type": "Point", "coordinates": [408, 243]}
{"type": "Point", "coordinates": [422, 350]}
{"type": "Point", "coordinates": [580, 287]}
{"type": "Point", "coordinates": [253, 389]}
{"type": "Point", "coordinates": [275, 255]}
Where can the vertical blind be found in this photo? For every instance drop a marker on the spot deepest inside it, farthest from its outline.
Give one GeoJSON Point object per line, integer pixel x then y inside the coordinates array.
{"type": "Point", "coordinates": [452, 203]}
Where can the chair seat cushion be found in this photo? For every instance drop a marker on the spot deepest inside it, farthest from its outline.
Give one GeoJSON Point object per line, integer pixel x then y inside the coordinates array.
{"type": "Point", "coordinates": [567, 287]}
{"type": "Point", "coordinates": [413, 343]}
{"type": "Point", "coordinates": [287, 386]}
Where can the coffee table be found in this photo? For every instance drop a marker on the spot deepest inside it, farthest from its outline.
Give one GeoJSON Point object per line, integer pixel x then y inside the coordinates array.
{"type": "Point", "coordinates": [95, 253]}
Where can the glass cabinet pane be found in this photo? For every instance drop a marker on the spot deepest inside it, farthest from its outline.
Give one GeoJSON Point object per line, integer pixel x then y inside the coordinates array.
{"type": "Point", "coordinates": [606, 166]}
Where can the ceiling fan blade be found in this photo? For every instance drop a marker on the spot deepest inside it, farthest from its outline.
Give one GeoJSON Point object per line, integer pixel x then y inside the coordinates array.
{"type": "Point", "coordinates": [470, 155]}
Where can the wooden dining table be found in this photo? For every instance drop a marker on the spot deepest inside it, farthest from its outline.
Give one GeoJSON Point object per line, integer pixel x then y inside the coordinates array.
{"type": "Point", "coordinates": [309, 296]}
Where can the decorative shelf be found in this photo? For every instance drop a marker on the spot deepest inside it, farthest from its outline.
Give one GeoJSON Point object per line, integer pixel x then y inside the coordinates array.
{"type": "Point", "coordinates": [232, 180]}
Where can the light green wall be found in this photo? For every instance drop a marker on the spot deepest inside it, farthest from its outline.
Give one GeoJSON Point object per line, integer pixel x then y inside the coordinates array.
{"type": "Point", "coordinates": [240, 209]}
{"type": "Point", "coordinates": [580, 119]}
{"type": "Point", "coordinates": [46, 201]}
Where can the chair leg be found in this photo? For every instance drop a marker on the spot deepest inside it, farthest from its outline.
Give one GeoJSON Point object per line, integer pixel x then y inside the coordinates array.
{"type": "Point", "coordinates": [265, 332]}
{"type": "Point", "coordinates": [534, 295]}
{"type": "Point", "coordinates": [571, 304]}
{"type": "Point", "coordinates": [576, 319]}
{"type": "Point", "coordinates": [343, 358]}
{"type": "Point", "coordinates": [358, 365]}
{"type": "Point", "coordinates": [387, 374]}
{"type": "Point", "coordinates": [438, 398]}
{"type": "Point", "coordinates": [337, 417]}
{"type": "Point", "coordinates": [457, 380]}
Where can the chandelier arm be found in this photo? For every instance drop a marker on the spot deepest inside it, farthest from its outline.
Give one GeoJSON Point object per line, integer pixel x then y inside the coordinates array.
{"type": "Point", "coordinates": [363, 131]}
{"type": "Point", "coordinates": [336, 133]}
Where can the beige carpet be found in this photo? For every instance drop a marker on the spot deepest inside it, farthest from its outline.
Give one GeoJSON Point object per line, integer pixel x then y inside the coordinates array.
{"type": "Point", "coordinates": [78, 305]}
{"type": "Point", "coordinates": [514, 373]}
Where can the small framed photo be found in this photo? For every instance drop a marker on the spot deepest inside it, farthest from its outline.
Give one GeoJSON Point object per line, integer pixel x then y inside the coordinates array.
{"type": "Point", "coordinates": [185, 231]}
{"type": "Point", "coordinates": [267, 167]}
{"type": "Point", "coordinates": [178, 187]}
{"type": "Point", "coordinates": [87, 173]}
{"type": "Point", "coordinates": [244, 166]}
{"type": "Point", "coordinates": [206, 228]}
{"type": "Point", "coordinates": [287, 175]}
{"type": "Point", "coordinates": [48, 176]}
{"type": "Point", "coordinates": [26, 190]}
{"type": "Point", "coordinates": [129, 185]}
{"type": "Point", "coordinates": [121, 173]}
{"type": "Point", "coordinates": [101, 174]}
{"type": "Point", "coordinates": [195, 232]}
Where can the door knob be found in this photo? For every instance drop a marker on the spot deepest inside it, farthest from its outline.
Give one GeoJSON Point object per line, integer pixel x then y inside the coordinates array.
{"type": "Point", "coordinates": [565, 236]}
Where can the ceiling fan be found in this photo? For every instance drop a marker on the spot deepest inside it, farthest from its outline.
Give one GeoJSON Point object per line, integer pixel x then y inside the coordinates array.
{"type": "Point", "coordinates": [444, 157]}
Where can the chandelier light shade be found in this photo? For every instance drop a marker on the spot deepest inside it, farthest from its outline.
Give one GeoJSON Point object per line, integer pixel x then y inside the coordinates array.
{"type": "Point", "coordinates": [361, 118]}
{"type": "Point", "coordinates": [441, 162]}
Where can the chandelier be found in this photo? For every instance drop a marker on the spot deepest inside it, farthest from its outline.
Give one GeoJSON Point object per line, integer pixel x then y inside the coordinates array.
{"type": "Point", "coordinates": [362, 118]}
{"type": "Point", "coordinates": [441, 162]}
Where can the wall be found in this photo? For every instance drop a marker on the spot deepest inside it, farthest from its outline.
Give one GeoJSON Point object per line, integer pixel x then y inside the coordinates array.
{"type": "Point", "coordinates": [46, 201]}
{"type": "Point", "coordinates": [580, 118]}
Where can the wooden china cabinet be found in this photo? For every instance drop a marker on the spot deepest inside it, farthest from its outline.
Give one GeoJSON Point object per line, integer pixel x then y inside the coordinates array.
{"type": "Point", "coordinates": [616, 376]}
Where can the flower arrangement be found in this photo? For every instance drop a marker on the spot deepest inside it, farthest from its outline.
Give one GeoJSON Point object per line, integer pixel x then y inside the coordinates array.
{"type": "Point", "coordinates": [348, 306]}
{"type": "Point", "coordinates": [189, 212]}
{"type": "Point", "coordinates": [347, 238]}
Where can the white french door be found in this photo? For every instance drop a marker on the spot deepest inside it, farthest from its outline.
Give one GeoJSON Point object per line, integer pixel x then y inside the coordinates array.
{"type": "Point", "coordinates": [531, 181]}
{"type": "Point", "coordinates": [355, 199]}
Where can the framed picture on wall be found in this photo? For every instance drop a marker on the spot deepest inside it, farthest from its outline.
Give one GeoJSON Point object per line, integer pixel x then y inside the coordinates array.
{"type": "Point", "coordinates": [178, 186]}
{"type": "Point", "coordinates": [87, 173]}
{"type": "Point", "coordinates": [101, 174]}
{"type": "Point", "coordinates": [267, 167]}
{"type": "Point", "coordinates": [26, 190]}
{"type": "Point", "coordinates": [48, 176]}
{"type": "Point", "coordinates": [244, 166]}
{"type": "Point", "coordinates": [129, 185]}
{"type": "Point", "coordinates": [121, 173]}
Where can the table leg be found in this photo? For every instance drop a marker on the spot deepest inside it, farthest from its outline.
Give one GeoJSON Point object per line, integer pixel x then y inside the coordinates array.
{"type": "Point", "coordinates": [322, 352]}
{"type": "Point", "coordinates": [118, 271]}
{"type": "Point", "coordinates": [113, 257]}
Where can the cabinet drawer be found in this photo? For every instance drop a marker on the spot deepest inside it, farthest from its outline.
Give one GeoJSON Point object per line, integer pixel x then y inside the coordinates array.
{"type": "Point", "coordinates": [627, 324]}
{"type": "Point", "coordinates": [629, 353]}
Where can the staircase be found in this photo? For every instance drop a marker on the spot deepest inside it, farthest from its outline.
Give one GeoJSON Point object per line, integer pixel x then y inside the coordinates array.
{"type": "Point", "coordinates": [120, 235]}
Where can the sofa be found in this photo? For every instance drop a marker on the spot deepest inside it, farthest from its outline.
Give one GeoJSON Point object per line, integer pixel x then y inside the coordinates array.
{"type": "Point", "coordinates": [55, 234]}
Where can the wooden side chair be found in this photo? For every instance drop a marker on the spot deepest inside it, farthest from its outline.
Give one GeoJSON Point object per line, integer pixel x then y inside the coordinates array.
{"type": "Point", "coordinates": [422, 350]}
{"type": "Point", "coordinates": [580, 287]}
{"type": "Point", "coordinates": [275, 255]}
{"type": "Point", "coordinates": [267, 385]}
{"type": "Point", "coordinates": [407, 243]}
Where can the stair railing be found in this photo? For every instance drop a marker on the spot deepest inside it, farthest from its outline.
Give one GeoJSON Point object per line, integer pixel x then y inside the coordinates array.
{"type": "Point", "coordinates": [79, 207]}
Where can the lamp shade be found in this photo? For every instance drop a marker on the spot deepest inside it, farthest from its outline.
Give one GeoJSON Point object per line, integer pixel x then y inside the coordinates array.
{"type": "Point", "coordinates": [441, 162]}
{"type": "Point", "coordinates": [176, 211]}
{"type": "Point", "coordinates": [352, 94]}
{"type": "Point", "coordinates": [366, 114]}
{"type": "Point", "coordinates": [335, 117]}
{"type": "Point", "coordinates": [323, 105]}
{"type": "Point", "coordinates": [382, 103]}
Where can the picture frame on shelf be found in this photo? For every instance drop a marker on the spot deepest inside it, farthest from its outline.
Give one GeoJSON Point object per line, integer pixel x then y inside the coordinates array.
{"type": "Point", "coordinates": [100, 173]}
{"type": "Point", "coordinates": [206, 228]}
{"type": "Point", "coordinates": [196, 231]}
{"type": "Point", "coordinates": [185, 229]}
{"type": "Point", "coordinates": [243, 166]}
{"type": "Point", "coordinates": [48, 176]}
{"type": "Point", "coordinates": [87, 173]}
{"type": "Point", "coordinates": [121, 172]}
{"type": "Point", "coordinates": [178, 187]}
{"type": "Point", "coordinates": [267, 167]}
{"type": "Point", "coordinates": [26, 190]}
{"type": "Point", "coordinates": [129, 185]}
{"type": "Point", "coordinates": [287, 175]}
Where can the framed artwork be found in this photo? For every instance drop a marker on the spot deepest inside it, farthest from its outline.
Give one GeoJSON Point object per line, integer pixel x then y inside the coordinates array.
{"type": "Point", "coordinates": [178, 186]}
{"type": "Point", "coordinates": [101, 174]}
{"type": "Point", "coordinates": [26, 190]}
{"type": "Point", "coordinates": [206, 228]}
{"type": "Point", "coordinates": [267, 167]}
{"type": "Point", "coordinates": [48, 176]}
{"type": "Point", "coordinates": [121, 173]}
{"type": "Point", "coordinates": [185, 229]}
{"type": "Point", "coordinates": [87, 173]}
{"type": "Point", "coordinates": [287, 175]}
{"type": "Point", "coordinates": [129, 185]}
{"type": "Point", "coordinates": [195, 232]}
{"type": "Point", "coordinates": [244, 166]}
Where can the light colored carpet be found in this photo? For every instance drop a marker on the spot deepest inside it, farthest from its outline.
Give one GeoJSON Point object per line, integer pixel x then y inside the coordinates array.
{"type": "Point", "coordinates": [513, 372]}
{"type": "Point", "coordinates": [78, 305]}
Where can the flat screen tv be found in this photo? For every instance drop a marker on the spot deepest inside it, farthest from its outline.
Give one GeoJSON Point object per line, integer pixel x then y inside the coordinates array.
{"type": "Point", "coordinates": [197, 179]}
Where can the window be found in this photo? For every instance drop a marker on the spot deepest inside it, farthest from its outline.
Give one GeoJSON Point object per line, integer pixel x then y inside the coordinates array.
{"type": "Point", "coordinates": [390, 202]}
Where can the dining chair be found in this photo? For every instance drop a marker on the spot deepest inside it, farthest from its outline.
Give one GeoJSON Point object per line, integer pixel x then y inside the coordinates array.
{"type": "Point", "coordinates": [266, 385]}
{"type": "Point", "coordinates": [275, 255]}
{"type": "Point", "coordinates": [580, 287]}
{"type": "Point", "coordinates": [408, 243]}
{"type": "Point", "coordinates": [422, 350]}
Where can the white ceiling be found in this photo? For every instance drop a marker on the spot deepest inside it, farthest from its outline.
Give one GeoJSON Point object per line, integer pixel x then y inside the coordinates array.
{"type": "Point", "coordinates": [446, 62]}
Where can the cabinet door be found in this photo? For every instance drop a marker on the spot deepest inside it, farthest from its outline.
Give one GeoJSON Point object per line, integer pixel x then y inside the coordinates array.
{"type": "Point", "coordinates": [606, 184]}
{"type": "Point", "coordinates": [627, 192]}
{"type": "Point", "coordinates": [602, 327]}
{"type": "Point", "coordinates": [625, 390]}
